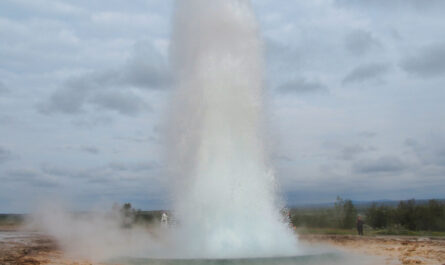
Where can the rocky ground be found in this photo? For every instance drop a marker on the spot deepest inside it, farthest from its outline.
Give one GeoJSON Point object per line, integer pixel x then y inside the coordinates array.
{"type": "Point", "coordinates": [30, 248]}
{"type": "Point", "coordinates": [19, 247]}
{"type": "Point", "coordinates": [395, 249]}
{"type": "Point", "coordinates": [24, 248]}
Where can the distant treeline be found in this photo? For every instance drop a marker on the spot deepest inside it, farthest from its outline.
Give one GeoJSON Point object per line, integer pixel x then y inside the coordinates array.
{"type": "Point", "coordinates": [131, 216]}
{"type": "Point", "coordinates": [409, 215]}
{"type": "Point", "coordinates": [11, 219]}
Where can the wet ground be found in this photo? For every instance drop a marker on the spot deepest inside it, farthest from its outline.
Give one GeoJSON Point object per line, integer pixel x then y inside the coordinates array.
{"type": "Point", "coordinates": [27, 248]}
{"type": "Point", "coordinates": [31, 248]}
{"type": "Point", "coordinates": [394, 249]}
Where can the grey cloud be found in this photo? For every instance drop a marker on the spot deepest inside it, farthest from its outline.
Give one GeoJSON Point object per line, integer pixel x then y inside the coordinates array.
{"type": "Point", "coordinates": [282, 158]}
{"type": "Point", "coordinates": [50, 7]}
{"type": "Point", "coordinates": [366, 72]}
{"type": "Point", "coordinates": [66, 100]}
{"type": "Point", "coordinates": [138, 139]}
{"type": "Point", "coordinates": [91, 175]}
{"type": "Point", "coordinates": [351, 152]}
{"type": "Point", "coordinates": [106, 172]}
{"type": "Point", "coordinates": [146, 69]}
{"type": "Point", "coordinates": [72, 97]}
{"type": "Point", "coordinates": [30, 177]}
{"type": "Point", "coordinates": [385, 164]}
{"type": "Point", "coordinates": [278, 53]}
{"type": "Point", "coordinates": [411, 142]}
{"type": "Point", "coordinates": [302, 86]}
{"type": "Point", "coordinates": [91, 122]}
{"type": "Point", "coordinates": [95, 175]}
{"type": "Point", "coordinates": [282, 59]}
{"type": "Point", "coordinates": [142, 74]}
{"type": "Point", "coordinates": [75, 93]}
{"type": "Point", "coordinates": [125, 103]}
{"type": "Point", "coordinates": [119, 171]}
{"type": "Point", "coordinates": [72, 100]}
{"type": "Point", "coordinates": [55, 171]}
{"type": "Point", "coordinates": [101, 175]}
{"type": "Point", "coordinates": [396, 35]}
{"type": "Point", "coordinates": [429, 62]}
{"type": "Point", "coordinates": [360, 42]}
{"type": "Point", "coordinates": [5, 155]}
{"type": "Point", "coordinates": [135, 167]}
{"type": "Point", "coordinates": [429, 152]}
{"type": "Point", "coordinates": [3, 88]}
{"type": "Point", "coordinates": [389, 6]}
{"type": "Point", "coordinates": [6, 119]}
{"type": "Point", "coordinates": [367, 134]}
{"type": "Point", "coordinates": [347, 151]}
{"type": "Point", "coordinates": [90, 149]}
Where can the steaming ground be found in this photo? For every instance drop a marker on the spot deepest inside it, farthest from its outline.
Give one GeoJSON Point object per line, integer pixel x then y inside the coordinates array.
{"type": "Point", "coordinates": [102, 236]}
{"type": "Point", "coordinates": [98, 236]}
{"type": "Point", "coordinates": [22, 247]}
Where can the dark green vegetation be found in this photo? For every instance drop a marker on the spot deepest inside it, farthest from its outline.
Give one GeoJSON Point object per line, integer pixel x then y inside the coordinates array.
{"type": "Point", "coordinates": [11, 219]}
{"type": "Point", "coordinates": [123, 214]}
{"type": "Point", "coordinates": [405, 218]}
{"type": "Point", "coordinates": [342, 216]}
{"type": "Point", "coordinates": [411, 218]}
{"type": "Point", "coordinates": [130, 216]}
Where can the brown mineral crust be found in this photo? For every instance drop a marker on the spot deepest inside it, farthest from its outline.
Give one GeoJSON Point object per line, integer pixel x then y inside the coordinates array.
{"type": "Point", "coordinates": [396, 249]}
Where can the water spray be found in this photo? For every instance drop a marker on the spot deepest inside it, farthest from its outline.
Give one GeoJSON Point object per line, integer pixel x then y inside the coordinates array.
{"type": "Point", "coordinates": [224, 189]}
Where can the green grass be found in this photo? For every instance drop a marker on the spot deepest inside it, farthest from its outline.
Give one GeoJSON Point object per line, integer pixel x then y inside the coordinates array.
{"type": "Point", "coordinates": [367, 232]}
{"type": "Point", "coordinates": [11, 219]}
{"type": "Point", "coordinates": [325, 231]}
{"type": "Point", "coordinates": [403, 232]}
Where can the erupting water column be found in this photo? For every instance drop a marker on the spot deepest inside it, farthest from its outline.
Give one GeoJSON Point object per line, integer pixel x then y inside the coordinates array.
{"type": "Point", "coordinates": [225, 192]}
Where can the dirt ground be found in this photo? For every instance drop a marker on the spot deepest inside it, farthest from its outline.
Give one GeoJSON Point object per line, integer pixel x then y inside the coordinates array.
{"type": "Point", "coordinates": [19, 247]}
{"type": "Point", "coordinates": [395, 249]}
{"type": "Point", "coordinates": [27, 248]}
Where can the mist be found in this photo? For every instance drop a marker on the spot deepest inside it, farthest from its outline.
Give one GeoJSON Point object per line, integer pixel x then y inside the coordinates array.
{"type": "Point", "coordinates": [97, 235]}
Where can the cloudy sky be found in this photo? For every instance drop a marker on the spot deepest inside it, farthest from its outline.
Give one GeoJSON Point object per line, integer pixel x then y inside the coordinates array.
{"type": "Point", "coordinates": [355, 99]}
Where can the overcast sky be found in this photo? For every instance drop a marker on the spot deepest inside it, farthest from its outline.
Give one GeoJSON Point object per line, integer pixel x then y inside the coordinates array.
{"type": "Point", "coordinates": [355, 99]}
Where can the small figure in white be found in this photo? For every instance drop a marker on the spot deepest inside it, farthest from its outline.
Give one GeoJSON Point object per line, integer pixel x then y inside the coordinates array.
{"type": "Point", "coordinates": [164, 220]}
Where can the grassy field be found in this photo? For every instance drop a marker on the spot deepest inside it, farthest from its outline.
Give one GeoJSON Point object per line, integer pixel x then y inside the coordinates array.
{"type": "Point", "coordinates": [11, 219]}
{"type": "Point", "coordinates": [148, 217]}
{"type": "Point", "coordinates": [367, 232]}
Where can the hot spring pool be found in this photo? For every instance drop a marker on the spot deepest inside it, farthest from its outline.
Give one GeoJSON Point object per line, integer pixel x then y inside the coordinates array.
{"type": "Point", "coordinates": [318, 259]}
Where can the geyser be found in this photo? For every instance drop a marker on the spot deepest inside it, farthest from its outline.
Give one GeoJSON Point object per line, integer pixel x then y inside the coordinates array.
{"type": "Point", "coordinates": [224, 189]}
{"type": "Point", "coordinates": [225, 199]}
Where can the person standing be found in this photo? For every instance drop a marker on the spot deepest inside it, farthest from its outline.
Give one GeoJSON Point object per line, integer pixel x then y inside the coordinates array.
{"type": "Point", "coordinates": [360, 225]}
{"type": "Point", "coordinates": [164, 220]}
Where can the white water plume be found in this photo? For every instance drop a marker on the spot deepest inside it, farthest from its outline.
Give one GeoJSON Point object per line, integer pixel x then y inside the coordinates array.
{"type": "Point", "coordinates": [225, 191]}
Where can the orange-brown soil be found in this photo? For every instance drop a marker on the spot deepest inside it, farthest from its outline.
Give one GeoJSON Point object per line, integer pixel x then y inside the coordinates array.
{"type": "Point", "coordinates": [395, 249]}
{"type": "Point", "coordinates": [25, 248]}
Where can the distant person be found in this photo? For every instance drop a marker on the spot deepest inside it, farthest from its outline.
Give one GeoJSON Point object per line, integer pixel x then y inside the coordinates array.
{"type": "Point", "coordinates": [360, 225]}
{"type": "Point", "coordinates": [164, 220]}
{"type": "Point", "coordinates": [289, 221]}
